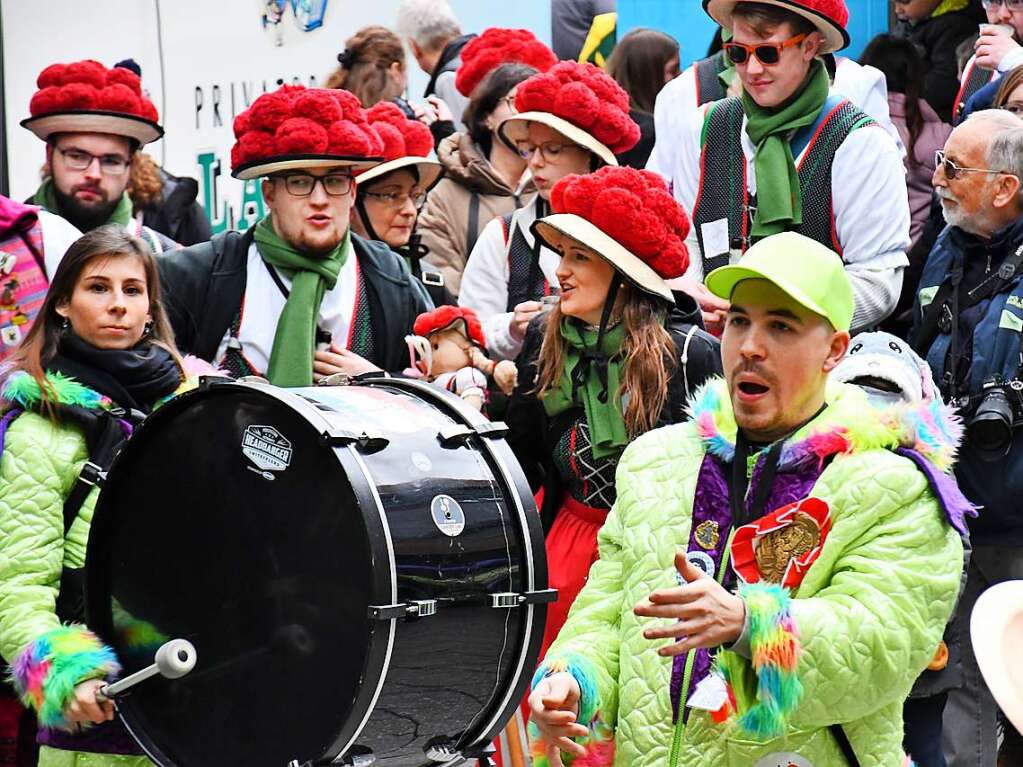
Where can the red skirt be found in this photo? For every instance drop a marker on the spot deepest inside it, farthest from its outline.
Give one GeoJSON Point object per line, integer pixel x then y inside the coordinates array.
{"type": "Point", "coordinates": [571, 551]}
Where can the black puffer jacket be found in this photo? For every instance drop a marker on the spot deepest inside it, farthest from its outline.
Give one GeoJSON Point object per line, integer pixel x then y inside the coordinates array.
{"type": "Point", "coordinates": [178, 215]}
{"type": "Point", "coordinates": [533, 434]}
{"type": "Point", "coordinates": [204, 286]}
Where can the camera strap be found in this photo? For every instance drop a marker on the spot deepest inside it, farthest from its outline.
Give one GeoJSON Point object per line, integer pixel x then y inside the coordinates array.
{"type": "Point", "coordinates": [940, 316]}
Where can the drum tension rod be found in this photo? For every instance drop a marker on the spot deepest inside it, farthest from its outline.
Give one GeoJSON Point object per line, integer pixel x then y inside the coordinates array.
{"type": "Point", "coordinates": [416, 608]}
{"type": "Point", "coordinates": [508, 599]}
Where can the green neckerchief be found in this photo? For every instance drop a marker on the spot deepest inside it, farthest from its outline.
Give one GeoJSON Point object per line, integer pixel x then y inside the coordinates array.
{"type": "Point", "coordinates": [45, 197]}
{"type": "Point", "coordinates": [779, 200]}
{"type": "Point", "coordinates": [602, 405]}
{"type": "Point", "coordinates": [949, 6]}
{"type": "Point", "coordinates": [291, 360]}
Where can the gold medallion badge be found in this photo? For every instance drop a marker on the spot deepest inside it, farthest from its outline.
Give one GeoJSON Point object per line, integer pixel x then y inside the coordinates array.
{"type": "Point", "coordinates": [708, 534]}
{"type": "Point", "coordinates": [777, 548]}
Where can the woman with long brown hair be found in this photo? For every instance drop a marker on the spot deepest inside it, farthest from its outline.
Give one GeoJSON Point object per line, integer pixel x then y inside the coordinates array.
{"type": "Point", "coordinates": [98, 358]}
{"type": "Point", "coordinates": [616, 357]}
{"type": "Point", "coordinates": [372, 66]}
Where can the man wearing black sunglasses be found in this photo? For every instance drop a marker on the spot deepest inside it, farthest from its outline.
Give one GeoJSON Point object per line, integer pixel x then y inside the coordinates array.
{"type": "Point", "coordinates": [968, 324]}
{"type": "Point", "coordinates": [297, 297]}
{"type": "Point", "coordinates": [812, 161]}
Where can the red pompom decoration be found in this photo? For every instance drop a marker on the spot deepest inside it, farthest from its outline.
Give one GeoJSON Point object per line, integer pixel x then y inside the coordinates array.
{"type": "Point", "coordinates": [318, 106]}
{"type": "Point", "coordinates": [77, 96]}
{"type": "Point", "coordinates": [394, 144]}
{"type": "Point", "coordinates": [269, 111]}
{"type": "Point", "coordinates": [253, 145]}
{"type": "Point", "coordinates": [351, 107]}
{"type": "Point", "coordinates": [299, 135]}
{"type": "Point", "coordinates": [635, 209]}
{"type": "Point", "coordinates": [90, 86]}
{"type": "Point", "coordinates": [45, 101]}
{"type": "Point", "coordinates": [401, 136]}
{"type": "Point", "coordinates": [118, 98]}
{"type": "Point", "coordinates": [51, 77]}
{"type": "Point", "coordinates": [444, 316]}
{"type": "Point", "coordinates": [241, 125]}
{"type": "Point", "coordinates": [147, 109]}
{"type": "Point", "coordinates": [90, 72]}
{"type": "Point", "coordinates": [495, 47]}
{"type": "Point", "coordinates": [295, 120]}
{"type": "Point", "coordinates": [122, 76]}
{"type": "Point", "coordinates": [585, 96]}
{"type": "Point", "coordinates": [347, 139]}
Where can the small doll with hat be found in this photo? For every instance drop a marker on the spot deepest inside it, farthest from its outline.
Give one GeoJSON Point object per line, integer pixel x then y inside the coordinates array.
{"type": "Point", "coordinates": [448, 349]}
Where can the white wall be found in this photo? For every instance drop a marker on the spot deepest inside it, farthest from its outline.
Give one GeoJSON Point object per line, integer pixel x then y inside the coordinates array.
{"type": "Point", "coordinates": [219, 48]}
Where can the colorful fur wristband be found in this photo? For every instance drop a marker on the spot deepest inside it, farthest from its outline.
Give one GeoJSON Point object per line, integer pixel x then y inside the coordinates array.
{"type": "Point", "coordinates": [47, 671]}
{"type": "Point", "coordinates": [599, 744]}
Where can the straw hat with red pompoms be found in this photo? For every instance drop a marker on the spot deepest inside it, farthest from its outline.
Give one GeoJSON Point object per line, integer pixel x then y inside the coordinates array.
{"type": "Point", "coordinates": [297, 127]}
{"type": "Point", "coordinates": [498, 46]}
{"type": "Point", "coordinates": [831, 17]}
{"type": "Point", "coordinates": [629, 218]}
{"type": "Point", "coordinates": [86, 97]}
{"type": "Point", "coordinates": [447, 317]}
{"type": "Point", "coordinates": [406, 145]}
{"type": "Point", "coordinates": [582, 103]}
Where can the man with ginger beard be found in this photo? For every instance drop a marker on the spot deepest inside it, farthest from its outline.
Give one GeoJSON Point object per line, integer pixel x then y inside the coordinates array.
{"type": "Point", "coordinates": [93, 120]}
{"type": "Point", "coordinates": [298, 297]}
{"type": "Point", "coordinates": [748, 545]}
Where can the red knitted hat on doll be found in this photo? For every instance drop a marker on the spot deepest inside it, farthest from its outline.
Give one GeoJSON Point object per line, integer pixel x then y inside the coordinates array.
{"type": "Point", "coordinates": [447, 317]}
{"type": "Point", "coordinates": [498, 46]}
{"type": "Point", "coordinates": [297, 127]}
{"type": "Point", "coordinates": [579, 101]}
{"type": "Point", "coordinates": [831, 17]}
{"type": "Point", "coordinates": [629, 218]}
{"type": "Point", "coordinates": [406, 145]}
{"type": "Point", "coordinates": [86, 97]}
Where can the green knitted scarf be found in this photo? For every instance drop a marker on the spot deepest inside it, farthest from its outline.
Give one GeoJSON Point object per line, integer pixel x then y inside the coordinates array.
{"type": "Point", "coordinates": [583, 383]}
{"type": "Point", "coordinates": [46, 197]}
{"type": "Point", "coordinates": [779, 199]}
{"type": "Point", "coordinates": [291, 359]}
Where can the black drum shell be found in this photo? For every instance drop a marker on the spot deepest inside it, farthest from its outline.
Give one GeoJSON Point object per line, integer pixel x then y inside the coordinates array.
{"type": "Point", "coordinates": [274, 580]}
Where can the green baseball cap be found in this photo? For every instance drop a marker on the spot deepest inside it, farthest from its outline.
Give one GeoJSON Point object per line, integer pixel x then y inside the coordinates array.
{"type": "Point", "coordinates": [810, 273]}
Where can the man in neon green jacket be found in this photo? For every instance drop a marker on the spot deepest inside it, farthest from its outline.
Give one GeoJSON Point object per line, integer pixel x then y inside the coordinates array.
{"type": "Point", "coordinates": [778, 571]}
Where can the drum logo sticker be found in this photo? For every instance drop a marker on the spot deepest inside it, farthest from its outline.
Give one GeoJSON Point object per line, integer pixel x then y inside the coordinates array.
{"type": "Point", "coordinates": [447, 515]}
{"type": "Point", "coordinates": [267, 448]}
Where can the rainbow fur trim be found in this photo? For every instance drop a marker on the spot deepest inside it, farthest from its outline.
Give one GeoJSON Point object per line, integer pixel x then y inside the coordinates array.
{"type": "Point", "coordinates": [849, 424]}
{"type": "Point", "coordinates": [600, 744]}
{"type": "Point", "coordinates": [24, 391]}
{"type": "Point", "coordinates": [775, 657]}
{"type": "Point", "coordinates": [46, 672]}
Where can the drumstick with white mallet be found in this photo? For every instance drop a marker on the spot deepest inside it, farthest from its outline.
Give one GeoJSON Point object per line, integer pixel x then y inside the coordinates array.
{"type": "Point", "coordinates": [173, 660]}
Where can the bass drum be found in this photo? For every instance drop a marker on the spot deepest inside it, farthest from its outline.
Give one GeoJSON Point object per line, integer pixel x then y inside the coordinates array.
{"type": "Point", "coordinates": [360, 568]}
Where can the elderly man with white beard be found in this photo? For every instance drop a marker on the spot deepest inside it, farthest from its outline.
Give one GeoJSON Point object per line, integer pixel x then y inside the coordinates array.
{"type": "Point", "coordinates": [967, 323]}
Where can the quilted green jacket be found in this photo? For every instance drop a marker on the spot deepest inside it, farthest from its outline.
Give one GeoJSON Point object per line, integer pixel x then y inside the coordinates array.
{"type": "Point", "coordinates": [867, 616]}
{"type": "Point", "coordinates": [40, 460]}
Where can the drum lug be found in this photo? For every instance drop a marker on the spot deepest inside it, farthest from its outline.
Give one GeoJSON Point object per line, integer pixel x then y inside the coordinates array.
{"type": "Point", "coordinates": [365, 442]}
{"type": "Point", "coordinates": [492, 429]}
{"type": "Point", "coordinates": [416, 608]}
{"type": "Point", "coordinates": [509, 599]}
{"type": "Point", "coordinates": [458, 435]}
{"type": "Point", "coordinates": [455, 435]}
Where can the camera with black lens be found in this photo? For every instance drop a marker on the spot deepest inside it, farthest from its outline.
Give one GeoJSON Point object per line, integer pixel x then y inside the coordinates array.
{"type": "Point", "coordinates": [998, 411]}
